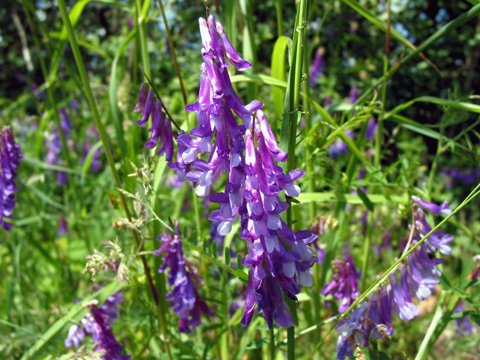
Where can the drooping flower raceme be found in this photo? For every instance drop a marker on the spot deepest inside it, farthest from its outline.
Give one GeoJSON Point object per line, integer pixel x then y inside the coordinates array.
{"type": "Point", "coordinates": [279, 258]}
{"type": "Point", "coordinates": [184, 297]}
{"type": "Point", "coordinates": [344, 283]}
{"type": "Point", "coordinates": [97, 323]}
{"type": "Point", "coordinates": [161, 127]}
{"type": "Point", "coordinates": [416, 278]}
{"type": "Point", "coordinates": [10, 156]}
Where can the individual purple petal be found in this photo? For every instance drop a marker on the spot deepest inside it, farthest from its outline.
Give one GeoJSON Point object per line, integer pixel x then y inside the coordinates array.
{"type": "Point", "coordinates": [442, 209]}
{"type": "Point", "coordinates": [230, 51]}
{"type": "Point", "coordinates": [148, 108]}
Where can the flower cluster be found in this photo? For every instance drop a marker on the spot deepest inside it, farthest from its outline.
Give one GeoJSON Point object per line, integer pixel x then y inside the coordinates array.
{"type": "Point", "coordinates": [98, 324]}
{"type": "Point", "coordinates": [184, 297]}
{"type": "Point", "coordinates": [279, 258]}
{"type": "Point", "coordinates": [55, 147]}
{"type": "Point", "coordinates": [10, 156]}
{"type": "Point", "coordinates": [416, 278]}
{"type": "Point", "coordinates": [161, 127]}
{"type": "Point", "coordinates": [344, 283]}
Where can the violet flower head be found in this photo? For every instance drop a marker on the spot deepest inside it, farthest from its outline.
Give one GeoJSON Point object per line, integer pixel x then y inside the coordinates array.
{"type": "Point", "coordinates": [371, 131]}
{"type": "Point", "coordinates": [10, 157]}
{"type": "Point", "coordinates": [316, 70]}
{"type": "Point", "coordinates": [279, 259]}
{"type": "Point", "coordinates": [55, 146]}
{"type": "Point", "coordinates": [184, 297]}
{"type": "Point", "coordinates": [97, 323]}
{"type": "Point", "coordinates": [344, 283]}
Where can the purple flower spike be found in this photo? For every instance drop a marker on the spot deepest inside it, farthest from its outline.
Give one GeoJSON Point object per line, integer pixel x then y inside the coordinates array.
{"type": "Point", "coordinates": [270, 140]}
{"type": "Point", "coordinates": [442, 209]}
{"type": "Point", "coordinates": [184, 297]}
{"type": "Point", "coordinates": [10, 156]}
{"type": "Point", "coordinates": [402, 301]}
{"type": "Point", "coordinates": [463, 324]}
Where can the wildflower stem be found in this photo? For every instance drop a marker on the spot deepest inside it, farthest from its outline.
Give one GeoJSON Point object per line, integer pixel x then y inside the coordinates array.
{"type": "Point", "coordinates": [272, 344]}
{"type": "Point", "coordinates": [278, 5]}
{"type": "Point", "coordinates": [437, 317]}
{"type": "Point", "coordinates": [172, 47]}
{"type": "Point", "coordinates": [105, 140]}
{"type": "Point", "coordinates": [366, 249]}
{"type": "Point", "coordinates": [378, 140]}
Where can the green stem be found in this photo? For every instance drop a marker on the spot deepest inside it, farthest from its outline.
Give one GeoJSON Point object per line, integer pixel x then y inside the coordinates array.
{"type": "Point", "coordinates": [437, 317]}
{"type": "Point", "coordinates": [378, 140]}
{"type": "Point", "coordinates": [366, 249]}
{"type": "Point", "coordinates": [272, 344]}
{"type": "Point", "coordinates": [174, 56]}
{"type": "Point", "coordinates": [278, 5]}
{"type": "Point", "coordinates": [140, 22]}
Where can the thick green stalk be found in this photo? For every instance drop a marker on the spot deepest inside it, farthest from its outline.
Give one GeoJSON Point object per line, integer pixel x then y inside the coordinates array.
{"type": "Point", "coordinates": [140, 22]}
{"type": "Point", "coordinates": [107, 148]}
{"type": "Point", "coordinates": [289, 126]}
{"type": "Point", "coordinates": [272, 344]}
{"type": "Point", "coordinates": [278, 5]}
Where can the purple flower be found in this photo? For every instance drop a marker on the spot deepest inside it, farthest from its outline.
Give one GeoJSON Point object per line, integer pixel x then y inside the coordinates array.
{"type": "Point", "coordinates": [463, 324]}
{"type": "Point", "coordinates": [98, 324]}
{"type": "Point", "coordinates": [62, 228]}
{"type": "Point", "coordinates": [344, 283]}
{"type": "Point", "coordinates": [316, 70]}
{"type": "Point", "coordinates": [371, 129]}
{"type": "Point", "coordinates": [10, 156]}
{"type": "Point", "coordinates": [442, 209]}
{"type": "Point", "coordinates": [184, 297]}
{"type": "Point", "coordinates": [339, 147]}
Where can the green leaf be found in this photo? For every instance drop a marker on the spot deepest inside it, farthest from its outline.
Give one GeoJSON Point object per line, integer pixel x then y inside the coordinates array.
{"type": "Point", "coordinates": [475, 318]}
{"type": "Point", "coordinates": [228, 256]}
{"type": "Point", "coordinates": [261, 79]}
{"type": "Point", "coordinates": [279, 72]}
{"type": "Point", "coordinates": [258, 343]}
{"type": "Point", "coordinates": [364, 198]}
{"type": "Point", "coordinates": [308, 197]}
{"type": "Point", "coordinates": [466, 269]}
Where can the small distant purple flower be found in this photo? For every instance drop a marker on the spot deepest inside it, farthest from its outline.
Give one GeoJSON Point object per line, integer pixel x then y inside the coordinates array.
{"type": "Point", "coordinates": [38, 94]}
{"type": "Point", "coordinates": [97, 323]}
{"type": "Point", "coordinates": [344, 283]}
{"type": "Point", "coordinates": [316, 70]}
{"type": "Point", "coordinates": [184, 297]}
{"type": "Point", "coordinates": [10, 156]}
{"type": "Point", "coordinates": [92, 137]}
{"type": "Point", "coordinates": [339, 147]}
{"type": "Point", "coordinates": [463, 324]}
{"type": "Point", "coordinates": [371, 129]}
{"type": "Point", "coordinates": [62, 228]}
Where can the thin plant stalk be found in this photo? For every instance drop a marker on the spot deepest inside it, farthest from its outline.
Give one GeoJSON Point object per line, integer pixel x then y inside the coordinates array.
{"type": "Point", "coordinates": [106, 145]}
{"type": "Point", "coordinates": [174, 55]}
{"type": "Point", "coordinates": [378, 140]}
